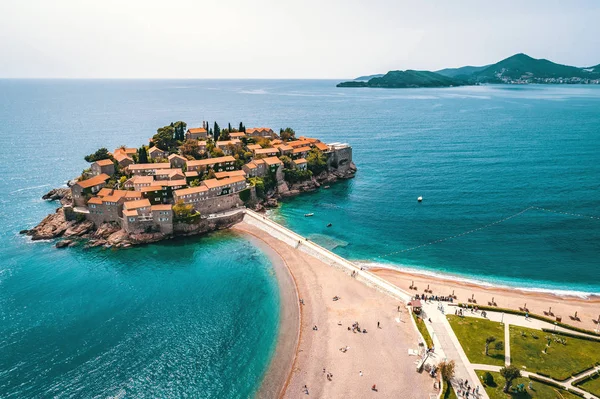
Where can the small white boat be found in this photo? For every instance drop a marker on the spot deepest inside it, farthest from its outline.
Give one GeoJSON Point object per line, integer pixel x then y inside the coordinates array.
{"type": "Point", "coordinates": [308, 214]}
{"type": "Point", "coordinates": [420, 199]}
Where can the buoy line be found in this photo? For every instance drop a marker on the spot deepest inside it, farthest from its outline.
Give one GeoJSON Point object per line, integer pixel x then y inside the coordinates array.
{"type": "Point", "coordinates": [485, 227]}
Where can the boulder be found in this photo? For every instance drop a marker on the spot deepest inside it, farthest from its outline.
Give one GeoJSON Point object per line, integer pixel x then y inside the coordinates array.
{"type": "Point", "coordinates": [56, 194]}
{"type": "Point", "coordinates": [105, 230]}
{"type": "Point", "coordinates": [53, 225]}
{"type": "Point", "coordinates": [63, 243]}
{"type": "Point", "coordinates": [79, 229]}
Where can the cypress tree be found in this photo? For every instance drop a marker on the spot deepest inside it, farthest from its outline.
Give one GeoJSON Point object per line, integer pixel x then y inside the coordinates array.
{"type": "Point", "coordinates": [142, 155]}
{"type": "Point", "coordinates": [241, 129]}
{"type": "Point", "coordinates": [229, 127]}
{"type": "Point", "coordinates": [217, 131]}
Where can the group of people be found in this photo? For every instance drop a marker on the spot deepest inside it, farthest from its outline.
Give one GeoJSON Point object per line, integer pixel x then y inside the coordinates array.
{"type": "Point", "coordinates": [356, 328]}
{"type": "Point", "coordinates": [466, 390]}
{"type": "Point", "coordinates": [435, 298]}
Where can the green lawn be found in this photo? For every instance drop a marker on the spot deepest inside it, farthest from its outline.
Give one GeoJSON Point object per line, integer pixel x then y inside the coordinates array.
{"type": "Point", "coordinates": [423, 330]}
{"type": "Point", "coordinates": [539, 391]}
{"type": "Point", "coordinates": [448, 392]}
{"type": "Point", "coordinates": [560, 362]}
{"type": "Point", "coordinates": [472, 332]}
{"type": "Point", "coordinates": [591, 385]}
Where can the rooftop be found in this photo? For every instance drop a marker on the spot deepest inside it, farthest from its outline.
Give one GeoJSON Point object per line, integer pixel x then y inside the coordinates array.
{"type": "Point", "coordinates": [191, 190]}
{"type": "Point", "coordinates": [214, 183]}
{"type": "Point", "coordinates": [136, 204]}
{"type": "Point", "coordinates": [104, 162]}
{"type": "Point", "coordinates": [145, 166]}
{"type": "Point", "coordinates": [197, 130]}
{"type": "Point", "coordinates": [94, 181]}
{"type": "Point", "coordinates": [210, 161]}
{"type": "Point", "coordinates": [272, 161]}
{"type": "Point", "coordinates": [221, 175]}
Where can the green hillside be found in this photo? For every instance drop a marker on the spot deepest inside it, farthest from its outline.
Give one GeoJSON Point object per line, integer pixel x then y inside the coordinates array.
{"type": "Point", "coordinates": [407, 79]}
{"type": "Point", "coordinates": [465, 71]}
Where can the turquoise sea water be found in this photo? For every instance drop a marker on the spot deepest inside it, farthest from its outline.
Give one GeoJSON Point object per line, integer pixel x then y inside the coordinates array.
{"type": "Point", "coordinates": [198, 317]}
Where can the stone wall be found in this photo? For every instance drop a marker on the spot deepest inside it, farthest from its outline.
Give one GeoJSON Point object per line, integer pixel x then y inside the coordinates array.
{"type": "Point", "coordinates": [301, 243]}
{"type": "Point", "coordinates": [340, 159]}
{"type": "Point", "coordinates": [219, 204]}
{"type": "Point", "coordinates": [205, 225]}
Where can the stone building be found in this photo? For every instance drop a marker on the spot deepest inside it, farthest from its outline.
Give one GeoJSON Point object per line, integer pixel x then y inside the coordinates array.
{"type": "Point", "coordinates": [103, 166]}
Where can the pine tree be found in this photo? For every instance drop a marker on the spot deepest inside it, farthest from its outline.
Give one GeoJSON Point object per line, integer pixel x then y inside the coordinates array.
{"type": "Point", "coordinates": [241, 129]}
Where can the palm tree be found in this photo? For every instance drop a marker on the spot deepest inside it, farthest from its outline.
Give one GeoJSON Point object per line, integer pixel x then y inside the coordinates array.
{"type": "Point", "coordinates": [488, 341]}
{"type": "Point", "coordinates": [510, 374]}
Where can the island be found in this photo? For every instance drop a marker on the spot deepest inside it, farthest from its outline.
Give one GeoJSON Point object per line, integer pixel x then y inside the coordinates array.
{"type": "Point", "coordinates": [517, 69]}
{"type": "Point", "coordinates": [187, 182]}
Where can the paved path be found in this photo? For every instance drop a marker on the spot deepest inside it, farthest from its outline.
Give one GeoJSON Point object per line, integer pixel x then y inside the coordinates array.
{"type": "Point", "coordinates": [506, 344]}
{"type": "Point", "coordinates": [518, 320]}
{"type": "Point", "coordinates": [565, 384]}
{"type": "Point", "coordinates": [444, 337]}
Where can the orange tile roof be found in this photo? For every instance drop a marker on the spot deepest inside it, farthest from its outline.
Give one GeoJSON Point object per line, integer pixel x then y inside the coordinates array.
{"type": "Point", "coordinates": [215, 183]}
{"type": "Point", "coordinates": [261, 151]}
{"type": "Point", "coordinates": [165, 207]}
{"type": "Point", "coordinates": [253, 147]}
{"type": "Point", "coordinates": [132, 212]}
{"type": "Point", "coordinates": [251, 165]}
{"type": "Point", "coordinates": [141, 179]}
{"type": "Point", "coordinates": [122, 156]}
{"type": "Point", "coordinates": [237, 134]}
{"type": "Point", "coordinates": [301, 149]}
{"type": "Point", "coordinates": [284, 147]}
{"type": "Point", "coordinates": [221, 175]}
{"type": "Point", "coordinates": [272, 161]}
{"type": "Point", "coordinates": [191, 173]}
{"type": "Point", "coordinates": [126, 151]}
{"type": "Point", "coordinates": [95, 200]}
{"type": "Point", "coordinates": [104, 192]}
{"type": "Point", "coordinates": [197, 130]}
{"type": "Point", "coordinates": [210, 161]}
{"type": "Point", "coordinates": [172, 183]}
{"type": "Point", "coordinates": [298, 143]}
{"type": "Point", "coordinates": [191, 190]}
{"type": "Point", "coordinates": [322, 146]}
{"type": "Point", "coordinates": [299, 160]}
{"type": "Point", "coordinates": [144, 166]}
{"type": "Point", "coordinates": [104, 162]}
{"type": "Point", "coordinates": [309, 139]}
{"type": "Point", "coordinates": [136, 204]}
{"type": "Point", "coordinates": [94, 181]}
{"type": "Point", "coordinates": [151, 188]}
{"type": "Point", "coordinates": [259, 129]}
{"type": "Point", "coordinates": [154, 149]}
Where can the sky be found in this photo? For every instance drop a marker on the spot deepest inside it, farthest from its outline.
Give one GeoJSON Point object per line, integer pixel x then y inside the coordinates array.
{"type": "Point", "coordinates": [274, 39]}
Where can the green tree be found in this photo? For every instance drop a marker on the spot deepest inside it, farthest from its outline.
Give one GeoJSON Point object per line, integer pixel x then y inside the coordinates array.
{"type": "Point", "coordinates": [180, 128]}
{"type": "Point", "coordinates": [224, 136]}
{"type": "Point", "coordinates": [190, 148]}
{"type": "Point", "coordinates": [447, 370]}
{"type": "Point", "coordinates": [165, 138]}
{"type": "Point", "coordinates": [287, 134]}
{"type": "Point", "coordinates": [510, 374]}
{"type": "Point", "coordinates": [488, 341]}
{"type": "Point", "coordinates": [142, 155]}
{"type": "Point", "coordinates": [217, 131]}
{"type": "Point", "coordinates": [317, 162]}
{"type": "Point", "coordinates": [183, 211]}
{"type": "Point", "coordinates": [488, 379]}
{"type": "Point", "coordinates": [242, 128]}
{"type": "Point", "coordinates": [195, 183]}
{"type": "Point", "coordinates": [100, 154]}
{"type": "Point", "coordinates": [287, 161]}
{"type": "Point", "coordinates": [259, 186]}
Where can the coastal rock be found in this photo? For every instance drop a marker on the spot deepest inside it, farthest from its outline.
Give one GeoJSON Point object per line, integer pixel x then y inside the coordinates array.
{"type": "Point", "coordinates": [24, 231]}
{"type": "Point", "coordinates": [144, 238]}
{"type": "Point", "coordinates": [105, 230]}
{"type": "Point", "coordinates": [95, 243]}
{"type": "Point", "coordinates": [117, 237]}
{"type": "Point", "coordinates": [64, 243]}
{"type": "Point", "coordinates": [271, 203]}
{"type": "Point", "coordinates": [56, 194]}
{"type": "Point", "coordinates": [79, 229]}
{"type": "Point", "coordinates": [53, 225]}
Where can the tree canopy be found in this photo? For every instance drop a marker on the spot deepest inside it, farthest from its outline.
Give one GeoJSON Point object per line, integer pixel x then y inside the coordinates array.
{"type": "Point", "coordinates": [179, 127]}
{"type": "Point", "coordinates": [165, 138]}
{"type": "Point", "coordinates": [100, 154]}
{"type": "Point", "coordinates": [510, 374]}
{"type": "Point", "coordinates": [317, 162]}
{"type": "Point", "coordinates": [287, 134]}
{"type": "Point", "coordinates": [142, 155]}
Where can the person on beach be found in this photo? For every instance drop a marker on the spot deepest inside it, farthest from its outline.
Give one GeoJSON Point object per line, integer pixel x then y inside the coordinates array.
{"type": "Point", "coordinates": [360, 373]}
{"type": "Point", "coordinates": [378, 325]}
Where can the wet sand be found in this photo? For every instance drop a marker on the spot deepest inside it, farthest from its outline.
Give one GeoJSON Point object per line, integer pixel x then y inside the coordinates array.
{"type": "Point", "coordinates": [587, 310]}
{"type": "Point", "coordinates": [381, 354]}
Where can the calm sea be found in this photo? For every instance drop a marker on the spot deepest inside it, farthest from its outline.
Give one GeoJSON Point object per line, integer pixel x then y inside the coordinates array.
{"type": "Point", "coordinates": [198, 317]}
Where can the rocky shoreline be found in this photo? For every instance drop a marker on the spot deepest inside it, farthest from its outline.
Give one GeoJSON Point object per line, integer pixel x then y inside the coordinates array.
{"type": "Point", "coordinates": [110, 235]}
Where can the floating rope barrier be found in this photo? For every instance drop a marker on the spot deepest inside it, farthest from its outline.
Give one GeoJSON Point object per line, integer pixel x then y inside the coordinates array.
{"type": "Point", "coordinates": [485, 227]}
{"type": "Point", "coordinates": [566, 213]}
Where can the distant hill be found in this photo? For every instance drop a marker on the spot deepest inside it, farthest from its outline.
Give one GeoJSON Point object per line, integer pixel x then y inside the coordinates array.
{"type": "Point", "coordinates": [523, 67]}
{"type": "Point", "coordinates": [368, 77]}
{"type": "Point", "coordinates": [462, 71]}
{"type": "Point", "coordinates": [517, 69]}
{"type": "Point", "coordinates": [406, 79]}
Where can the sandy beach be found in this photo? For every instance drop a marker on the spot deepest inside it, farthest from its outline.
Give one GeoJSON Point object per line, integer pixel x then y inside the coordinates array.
{"type": "Point", "coordinates": [537, 302]}
{"type": "Point", "coordinates": [379, 356]}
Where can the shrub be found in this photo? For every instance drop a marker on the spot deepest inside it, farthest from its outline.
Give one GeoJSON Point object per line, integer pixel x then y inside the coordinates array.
{"type": "Point", "coordinates": [245, 195]}
{"type": "Point", "coordinates": [488, 379]}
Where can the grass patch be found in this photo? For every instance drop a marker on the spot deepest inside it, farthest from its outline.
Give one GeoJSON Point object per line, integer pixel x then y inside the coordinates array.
{"type": "Point", "coordinates": [592, 385]}
{"type": "Point", "coordinates": [539, 391]}
{"type": "Point", "coordinates": [423, 330]}
{"type": "Point", "coordinates": [560, 362]}
{"type": "Point", "coordinates": [472, 332]}
{"type": "Point", "coordinates": [448, 392]}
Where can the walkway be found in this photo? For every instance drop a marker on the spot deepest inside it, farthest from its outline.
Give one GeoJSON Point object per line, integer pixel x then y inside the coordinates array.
{"type": "Point", "coordinates": [565, 384]}
{"type": "Point", "coordinates": [444, 337]}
